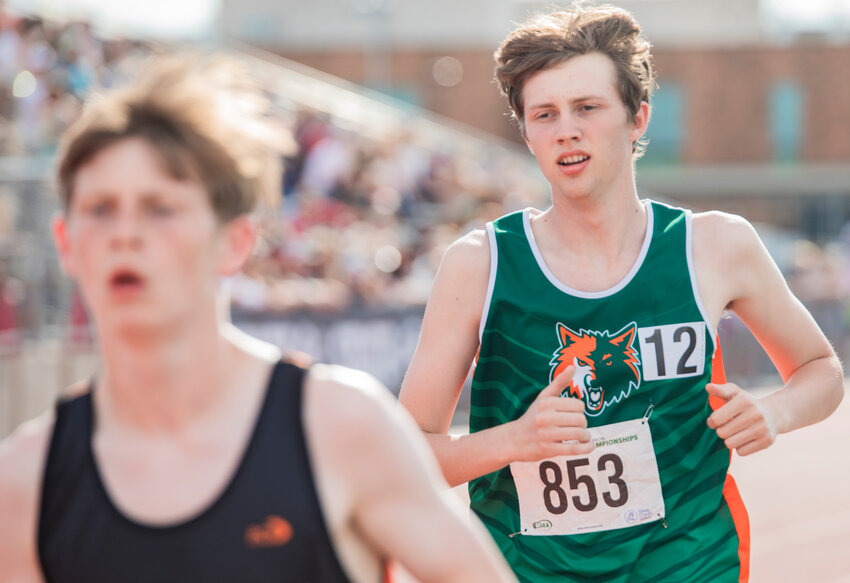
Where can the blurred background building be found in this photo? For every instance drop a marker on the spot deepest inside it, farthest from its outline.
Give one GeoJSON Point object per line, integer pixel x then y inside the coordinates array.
{"type": "Point", "coordinates": [404, 144]}
{"type": "Point", "coordinates": [747, 111]}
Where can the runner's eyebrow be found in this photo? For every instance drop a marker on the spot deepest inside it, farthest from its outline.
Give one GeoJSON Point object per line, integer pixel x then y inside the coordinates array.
{"type": "Point", "coordinates": [574, 101]}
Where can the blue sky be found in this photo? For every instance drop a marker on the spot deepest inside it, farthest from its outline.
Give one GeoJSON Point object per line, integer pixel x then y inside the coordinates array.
{"type": "Point", "coordinates": [181, 18]}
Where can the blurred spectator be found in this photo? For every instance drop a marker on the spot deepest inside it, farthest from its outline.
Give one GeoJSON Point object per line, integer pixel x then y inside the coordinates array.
{"type": "Point", "coordinates": [364, 219]}
{"type": "Point", "coordinates": [46, 68]}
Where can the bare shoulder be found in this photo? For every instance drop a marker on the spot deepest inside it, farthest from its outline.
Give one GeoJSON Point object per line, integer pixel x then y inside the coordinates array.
{"type": "Point", "coordinates": [460, 287]}
{"type": "Point", "coordinates": [357, 433]}
{"type": "Point", "coordinates": [351, 417]}
{"type": "Point", "coordinates": [469, 254]}
{"type": "Point", "coordinates": [22, 457]}
{"type": "Point", "coordinates": [336, 378]}
{"type": "Point", "coordinates": [476, 239]}
{"type": "Point", "coordinates": [23, 453]}
{"type": "Point", "coordinates": [723, 235]}
{"type": "Point", "coordinates": [732, 264]}
{"type": "Point", "coordinates": [345, 399]}
{"type": "Point", "coordinates": [77, 389]}
{"type": "Point", "coordinates": [728, 247]}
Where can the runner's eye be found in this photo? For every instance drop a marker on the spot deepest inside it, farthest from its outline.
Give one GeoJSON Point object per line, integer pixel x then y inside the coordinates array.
{"type": "Point", "coordinates": [100, 209]}
{"type": "Point", "coordinates": [161, 210]}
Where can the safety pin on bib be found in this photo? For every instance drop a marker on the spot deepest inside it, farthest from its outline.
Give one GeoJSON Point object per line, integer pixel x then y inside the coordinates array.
{"type": "Point", "coordinates": [645, 418]}
{"type": "Point", "coordinates": [648, 413]}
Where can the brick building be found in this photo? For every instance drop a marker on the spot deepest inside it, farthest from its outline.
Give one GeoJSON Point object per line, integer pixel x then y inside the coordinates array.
{"type": "Point", "coordinates": [745, 116]}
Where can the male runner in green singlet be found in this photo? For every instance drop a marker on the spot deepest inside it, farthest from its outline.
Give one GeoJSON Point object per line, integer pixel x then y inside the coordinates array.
{"type": "Point", "coordinates": [601, 425]}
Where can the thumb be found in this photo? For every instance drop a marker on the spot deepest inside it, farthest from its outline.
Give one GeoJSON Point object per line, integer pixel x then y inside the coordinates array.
{"type": "Point", "coordinates": [559, 383]}
{"type": "Point", "coordinates": [724, 392]}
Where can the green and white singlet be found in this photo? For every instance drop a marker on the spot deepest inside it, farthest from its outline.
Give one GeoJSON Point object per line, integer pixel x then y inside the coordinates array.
{"type": "Point", "coordinates": [653, 502]}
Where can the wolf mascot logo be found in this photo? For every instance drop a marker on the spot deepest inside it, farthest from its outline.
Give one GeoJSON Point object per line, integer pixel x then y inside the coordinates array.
{"type": "Point", "coordinates": [606, 365]}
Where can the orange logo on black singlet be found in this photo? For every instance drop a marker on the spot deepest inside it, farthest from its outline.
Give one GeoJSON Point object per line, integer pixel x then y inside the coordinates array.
{"type": "Point", "coordinates": [273, 532]}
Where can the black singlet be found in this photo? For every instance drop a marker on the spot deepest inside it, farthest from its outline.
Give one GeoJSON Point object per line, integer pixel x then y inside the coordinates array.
{"type": "Point", "coordinates": [267, 524]}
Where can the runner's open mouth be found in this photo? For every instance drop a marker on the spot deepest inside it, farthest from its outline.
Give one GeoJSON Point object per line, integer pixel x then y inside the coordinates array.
{"type": "Point", "coordinates": [124, 279]}
{"type": "Point", "coordinates": [572, 160]}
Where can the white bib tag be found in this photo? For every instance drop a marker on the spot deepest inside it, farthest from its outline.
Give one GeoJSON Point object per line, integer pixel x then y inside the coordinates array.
{"type": "Point", "coordinates": [614, 486]}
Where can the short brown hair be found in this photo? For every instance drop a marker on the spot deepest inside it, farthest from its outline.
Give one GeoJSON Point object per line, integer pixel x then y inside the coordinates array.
{"type": "Point", "coordinates": [549, 40]}
{"type": "Point", "coordinates": [206, 119]}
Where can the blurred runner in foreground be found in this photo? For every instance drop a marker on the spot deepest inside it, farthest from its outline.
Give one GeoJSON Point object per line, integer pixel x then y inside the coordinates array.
{"type": "Point", "coordinates": [197, 453]}
{"type": "Point", "coordinates": [593, 452]}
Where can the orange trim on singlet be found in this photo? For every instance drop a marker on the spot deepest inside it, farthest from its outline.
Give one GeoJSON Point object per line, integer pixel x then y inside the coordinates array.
{"type": "Point", "coordinates": [730, 489]}
{"type": "Point", "coordinates": [388, 572]}
{"type": "Point", "coordinates": [742, 524]}
{"type": "Point", "coordinates": [718, 375]}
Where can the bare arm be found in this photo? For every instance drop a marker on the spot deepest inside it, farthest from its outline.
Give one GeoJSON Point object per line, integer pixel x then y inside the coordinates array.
{"type": "Point", "coordinates": [397, 501]}
{"type": "Point", "coordinates": [447, 344]}
{"type": "Point", "coordinates": [740, 275]}
{"type": "Point", "coordinates": [21, 462]}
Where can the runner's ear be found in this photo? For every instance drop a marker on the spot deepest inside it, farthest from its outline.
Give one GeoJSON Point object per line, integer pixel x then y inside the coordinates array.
{"type": "Point", "coordinates": [641, 121]}
{"type": "Point", "coordinates": [59, 230]}
{"type": "Point", "coordinates": [239, 236]}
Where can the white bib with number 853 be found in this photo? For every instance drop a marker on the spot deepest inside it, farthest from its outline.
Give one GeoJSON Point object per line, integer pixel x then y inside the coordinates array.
{"type": "Point", "coordinates": [614, 486]}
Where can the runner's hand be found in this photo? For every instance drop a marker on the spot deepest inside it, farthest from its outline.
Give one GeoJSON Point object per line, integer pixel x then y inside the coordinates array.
{"type": "Point", "coordinates": [744, 422]}
{"type": "Point", "coordinates": [552, 425]}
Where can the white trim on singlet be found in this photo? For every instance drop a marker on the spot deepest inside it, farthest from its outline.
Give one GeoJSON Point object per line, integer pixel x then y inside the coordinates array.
{"type": "Point", "coordinates": [689, 247]}
{"type": "Point", "coordinates": [526, 220]}
{"type": "Point", "coordinates": [491, 284]}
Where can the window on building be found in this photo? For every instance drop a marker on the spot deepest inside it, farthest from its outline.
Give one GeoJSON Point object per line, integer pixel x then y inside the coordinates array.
{"type": "Point", "coordinates": [666, 126]}
{"type": "Point", "coordinates": [786, 121]}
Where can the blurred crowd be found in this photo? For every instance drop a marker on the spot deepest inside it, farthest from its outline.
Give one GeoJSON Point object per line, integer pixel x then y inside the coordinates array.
{"type": "Point", "coordinates": [363, 218]}
{"type": "Point", "coordinates": [46, 69]}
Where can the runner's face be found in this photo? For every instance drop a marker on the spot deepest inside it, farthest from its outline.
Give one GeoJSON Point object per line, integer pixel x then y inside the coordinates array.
{"type": "Point", "coordinates": [145, 248]}
{"type": "Point", "coordinates": [578, 128]}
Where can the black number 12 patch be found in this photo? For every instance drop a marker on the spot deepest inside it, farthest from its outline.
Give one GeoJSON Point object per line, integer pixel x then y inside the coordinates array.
{"type": "Point", "coordinates": [672, 351]}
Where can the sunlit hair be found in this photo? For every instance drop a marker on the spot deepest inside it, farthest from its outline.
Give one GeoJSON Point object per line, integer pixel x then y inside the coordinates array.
{"type": "Point", "coordinates": [205, 117]}
{"type": "Point", "coordinates": [547, 41]}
